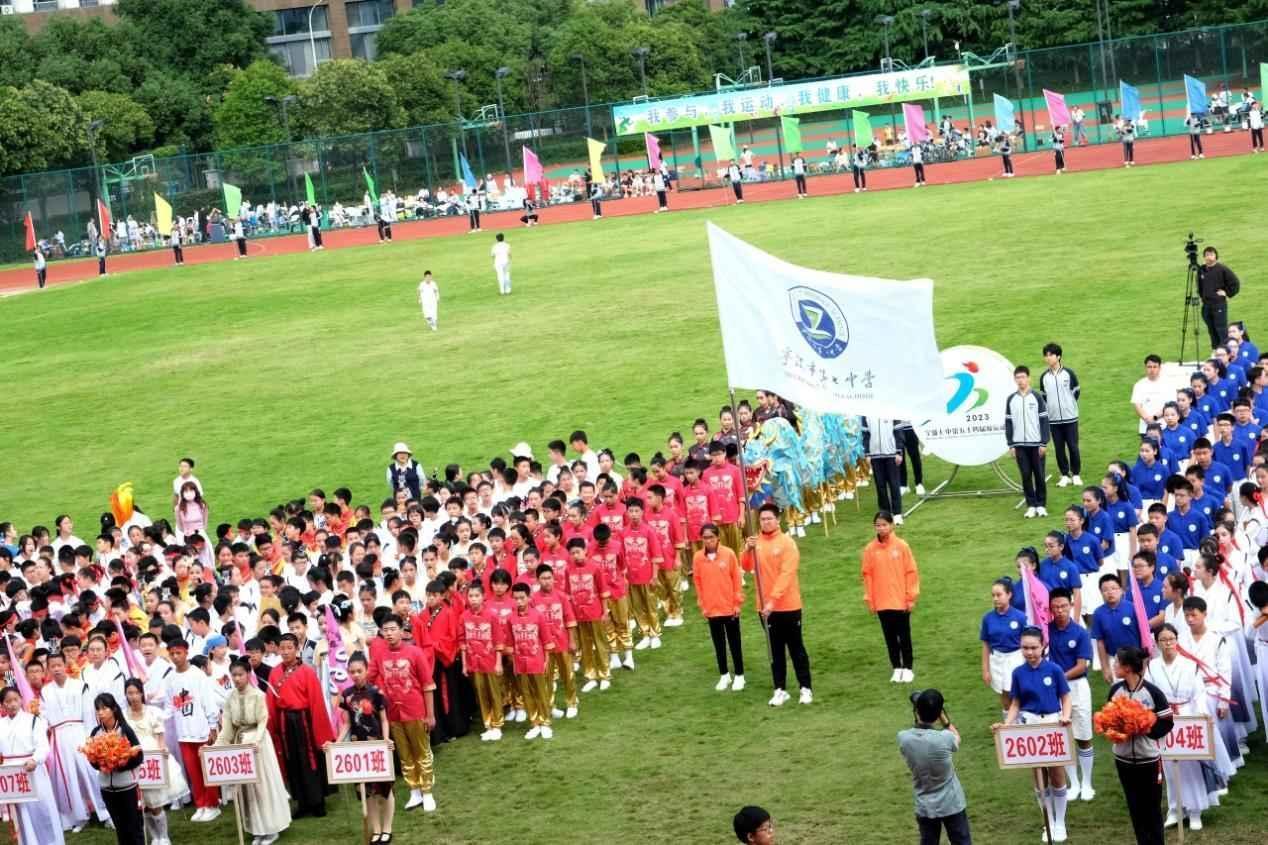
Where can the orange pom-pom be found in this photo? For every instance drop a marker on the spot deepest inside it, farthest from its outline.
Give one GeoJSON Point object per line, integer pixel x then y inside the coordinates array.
{"type": "Point", "coordinates": [107, 751]}
{"type": "Point", "coordinates": [1122, 719]}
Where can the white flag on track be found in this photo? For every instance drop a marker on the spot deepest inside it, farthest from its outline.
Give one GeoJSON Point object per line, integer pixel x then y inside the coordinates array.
{"type": "Point", "coordinates": [834, 343]}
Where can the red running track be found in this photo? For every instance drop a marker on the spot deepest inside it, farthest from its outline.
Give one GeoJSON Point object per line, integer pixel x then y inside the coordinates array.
{"type": "Point", "coordinates": [1153, 151]}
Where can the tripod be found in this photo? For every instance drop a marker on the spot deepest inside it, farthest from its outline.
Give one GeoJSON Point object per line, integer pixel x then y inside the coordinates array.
{"type": "Point", "coordinates": [1191, 319]}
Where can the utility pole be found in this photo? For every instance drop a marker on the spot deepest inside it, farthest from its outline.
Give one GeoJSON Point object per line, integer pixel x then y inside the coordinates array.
{"type": "Point", "coordinates": [457, 76]}
{"type": "Point", "coordinates": [641, 54]}
{"type": "Point", "coordinates": [585, 90]}
{"type": "Point", "coordinates": [498, 75]}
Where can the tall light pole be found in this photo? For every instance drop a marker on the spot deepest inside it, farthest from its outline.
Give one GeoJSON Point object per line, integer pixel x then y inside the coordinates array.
{"type": "Point", "coordinates": [284, 103]}
{"type": "Point", "coordinates": [1013, 7]}
{"type": "Point", "coordinates": [740, 38]}
{"type": "Point", "coordinates": [498, 75]}
{"type": "Point", "coordinates": [640, 53]}
{"type": "Point", "coordinates": [312, 40]}
{"type": "Point", "coordinates": [94, 129]}
{"type": "Point", "coordinates": [456, 76]}
{"type": "Point", "coordinates": [585, 88]}
{"type": "Point", "coordinates": [767, 40]}
{"type": "Point", "coordinates": [925, 14]}
{"type": "Point", "coordinates": [886, 21]}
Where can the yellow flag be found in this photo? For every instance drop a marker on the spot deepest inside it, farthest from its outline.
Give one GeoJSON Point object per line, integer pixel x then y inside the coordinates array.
{"type": "Point", "coordinates": [596, 158]}
{"type": "Point", "coordinates": [162, 215]}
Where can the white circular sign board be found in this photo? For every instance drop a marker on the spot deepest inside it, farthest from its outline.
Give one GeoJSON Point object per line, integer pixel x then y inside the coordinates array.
{"type": "Point", "coordinates": [971, 433]}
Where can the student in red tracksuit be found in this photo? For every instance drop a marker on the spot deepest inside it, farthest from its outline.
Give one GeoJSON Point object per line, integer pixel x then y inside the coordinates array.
{"type": "Point", "coordinates": [724, 479]}
{"type": "Point", "coordinates": [530, 647]}
{"type": "Point", "coordinates": [699, 506]}
{"type": "Point", "coordinates": [553, 553]}
{"type": "Point", "coordinates": [670, 529]}
{"type": "Point", "coordinates": [641, 548]}
{"type": "Point", "coordinates": [588, 588]}
{"type": "Point", "coordinates": [609, 555]}
{"type": "Point", "coordinates": [610, 512]}
{"type": "Point", "coordinates": [482, 639]}
{"type": "Point", "coordinates": [439, 624]}
{"type": "Point", "coordinates": [556, 607]}
{"type": "Point", "coordinates": [503, 605]}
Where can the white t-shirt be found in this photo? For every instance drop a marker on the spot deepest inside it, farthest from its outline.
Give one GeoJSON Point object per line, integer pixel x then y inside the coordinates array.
{"type": "Point", "coordinates": [501, 253]}
{"type": "Point", "coordinates": [178, 482]}
{"type": "Point", "coordinates": [1152, 395]}
{"type": "Point", "coordinates": [799, 166]}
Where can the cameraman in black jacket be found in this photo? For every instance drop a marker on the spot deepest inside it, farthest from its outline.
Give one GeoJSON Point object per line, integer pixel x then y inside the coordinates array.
{"type": "Point", "coordinates": [1216, 284]}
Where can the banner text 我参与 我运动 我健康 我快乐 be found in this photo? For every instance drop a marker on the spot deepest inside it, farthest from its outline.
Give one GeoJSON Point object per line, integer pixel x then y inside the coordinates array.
{"type": "Point", "coordinates": [847, 92]}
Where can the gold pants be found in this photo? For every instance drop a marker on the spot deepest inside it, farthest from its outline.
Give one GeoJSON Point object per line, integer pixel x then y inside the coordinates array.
{"type": "Point", "coordinates": [488, 688]}
{"type": "Point", "coordinates": [618, 624]}
{"type": "Point", "coordinates": [594, 650]}
{"type": "Point", "coordinates": [512, 694]}
{"type": "Point", "coordinates": [536, 698]}
{"type": "Point", "coordinates": [731, 537]}
{"type": "Point", "coordinates": [559, 670]}
{"type": "Point", "coordinates": [667, 589]}
{"type": "Point", "coordinates": [414, 748]}
{"type": "Point", "coordinates": [685, 556]}
{"type": "Point", "coordinates": [643, 606]}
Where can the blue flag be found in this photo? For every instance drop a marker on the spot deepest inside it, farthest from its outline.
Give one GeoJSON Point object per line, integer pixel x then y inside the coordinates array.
{"type": "Point", "coordinates": [1129, 100]}
{"type": "Point", "coordinates": [468, 178]}
{"type": "Point", "coordinates": [1004, 114]}
{"type": "Point", "coordinates": [1195, 92]}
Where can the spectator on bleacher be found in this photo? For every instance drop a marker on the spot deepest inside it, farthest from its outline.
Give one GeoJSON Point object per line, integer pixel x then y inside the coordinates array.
{"type": "Point", "coordinates": [1076, 117]}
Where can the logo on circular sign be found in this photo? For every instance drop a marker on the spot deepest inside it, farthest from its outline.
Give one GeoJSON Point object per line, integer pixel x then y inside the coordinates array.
{"type": "Point", "coordinates": [820, 321]}
{"type": "Point", "coordinates": [977, 381]}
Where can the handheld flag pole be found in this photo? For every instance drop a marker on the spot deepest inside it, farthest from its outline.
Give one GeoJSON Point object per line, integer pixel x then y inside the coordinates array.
{"type": "Point", "coordinates": [748, 530]}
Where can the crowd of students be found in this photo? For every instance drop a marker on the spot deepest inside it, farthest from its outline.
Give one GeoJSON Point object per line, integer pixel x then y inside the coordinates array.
{"type": "Point", "coordinates": [499, 597]}
{"type": "Point", "coordinates": [1156, 581]}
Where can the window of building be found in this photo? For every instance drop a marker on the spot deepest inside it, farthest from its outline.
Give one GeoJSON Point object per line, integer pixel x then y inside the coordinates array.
{"type": "Point", "coordinates": [365, 13]}
{"type": "Point", "coordinates": [364, 45]}
{"type": "Point", "coordinates": [295, 21]}
{"type": "Point", "coordinates": [297, 55]}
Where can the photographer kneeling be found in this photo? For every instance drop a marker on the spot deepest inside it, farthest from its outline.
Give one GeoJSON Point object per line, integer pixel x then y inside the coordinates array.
{"type": "Point", "coordinates": [1216, 285]}
{"type": "Point", "coordinates": [927, 750]}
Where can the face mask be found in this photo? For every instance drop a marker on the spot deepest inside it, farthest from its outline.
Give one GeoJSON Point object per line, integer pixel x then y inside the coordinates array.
{"type": "Point", "coordinates": [189, 495]}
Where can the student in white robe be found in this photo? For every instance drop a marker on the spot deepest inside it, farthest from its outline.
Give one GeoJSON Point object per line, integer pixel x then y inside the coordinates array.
{"type": "Point", "coordinates": [24, 742]}
{"type": "Point", "coordinates": [64, 704]}
{"type": "Point", "coordinates": [266, 809]}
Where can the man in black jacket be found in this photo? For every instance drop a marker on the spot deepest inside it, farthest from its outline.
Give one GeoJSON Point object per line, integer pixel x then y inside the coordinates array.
{"type": "Point", "coordinates": [1216, 284]}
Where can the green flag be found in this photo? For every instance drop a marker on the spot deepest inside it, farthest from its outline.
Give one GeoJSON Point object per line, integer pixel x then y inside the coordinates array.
{"type": "Point", "coordinates": [369, 186]}
{"type": "Point", "coordinates": [723, 142]}
{"type": "Point", "coordinates": [1263, 81]}
{"type": "Point", "coordinates": [311, 193]}
{"type": "Point", "coordinates": [233, 200]}
{"type": "Point", "coordinates": [792, 133]}
{"type": "Point", "coordinates": [862, 129]}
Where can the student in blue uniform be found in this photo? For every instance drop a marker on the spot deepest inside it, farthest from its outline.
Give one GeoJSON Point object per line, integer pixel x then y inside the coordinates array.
{"type": "Point", "coordinates": [1205, 502]}
{"type": "Point", "coordinates": [1218, 387]}
{"type": "Point", "coordinates": [1098, 520]}
{"type": "Point", "coordinates": [1176, 437]}
{"type": "Point", "coordinates": [1085, 550]}
{"type": "Point", "coordinates": [1219, 478]}
{"type": "Point", "coordinates": [1145, 578]}
{"type": "Point", "coordinates": [1147, 541]}
{"type": "Point", "coordinates": [1169, 541]}
{"type": "Point", "coordinates": [1070, 647]}
{"type": "Point", "coordinates": [1059, 572]}
{"type": "Point", "coordinates": [1234, 372]}
{"type": "Point", "coordinates": [1040, 694]}
{"type": "Point", "coordinates": [1245, 429]}
{"type": "Point", "coordinates": [1113, 625]}
{"type": "Point", "coordinates": [1235, 453]}
{"type": "Point", "coordinates": [1001, 640]}
{"type": "Point", "coordinates": [1123, 518]}
{"type": "Point", "coordinates": [1166, 457]}
{"type": "Point", "coordinates": [1149, 473]}
{"type": "Point", "coordinates": [1190, 417]}
{"type": "Point", "coordinates": [1247, 352]}
{"type": "Point", "coordinates": [1186, 521]}
{"type": "Point", "coordinates": [1130, 492]}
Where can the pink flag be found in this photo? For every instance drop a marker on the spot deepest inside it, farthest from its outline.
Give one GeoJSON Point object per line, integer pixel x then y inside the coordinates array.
{"type": "Point", "coordinates": [653, 150]}
{"type": "Point", "coordinates": [1037, 612]}
{"type": "Point", "coordinates": [337, 661]}
{"type": "Point", "coordinates": [133, 663]}
{"type": "Point", "coordinates": [19, 676]}
{"type": "Point", "coordinates": [533, 173]}
{"type": "Point", "coordinates": [1142, 617]}
{"type": "Point", "coordinates": [1058, 114]}
{"type": "Point", "coordinates": [914, 117]}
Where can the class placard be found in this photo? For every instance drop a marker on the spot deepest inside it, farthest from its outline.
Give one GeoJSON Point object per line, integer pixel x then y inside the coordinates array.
{"type": "Point", "coordinates": [1034, 746]}
{"type": "Point", "coordinates": [359, 762]}
{"type": "Point", "coordinates": [152, 773]}
{"type": "Point", "coordinates": [16, 785]}
{"type": "Point", "coordinates": [1191, 738]}
{"type": "Point", "coordinates": [226, 765]}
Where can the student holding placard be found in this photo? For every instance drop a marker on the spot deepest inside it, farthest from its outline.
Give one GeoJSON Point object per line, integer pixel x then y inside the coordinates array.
{"type": "Point", "coordinates": [1040, 694]}
{"type": "Point", "coordinates": [24, 743]}
{"type": "Point", "coordinates": [265, 806]}
{"type": "Point", "coordinates": [148, 724]}
{"type": "Point", "coordinates": [365, 711]}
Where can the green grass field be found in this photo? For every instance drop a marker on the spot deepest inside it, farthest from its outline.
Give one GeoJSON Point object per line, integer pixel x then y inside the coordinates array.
{"type": "Point", "coordinates": [281, 374]}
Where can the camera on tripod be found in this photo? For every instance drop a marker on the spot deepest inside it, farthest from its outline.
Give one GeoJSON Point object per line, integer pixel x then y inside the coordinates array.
{"type": "Point", "coordinates": [1191, 250]}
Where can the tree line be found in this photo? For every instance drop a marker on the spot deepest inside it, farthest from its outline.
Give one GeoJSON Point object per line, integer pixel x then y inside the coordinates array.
{"type": "Point", "coordinates": [171, 77]}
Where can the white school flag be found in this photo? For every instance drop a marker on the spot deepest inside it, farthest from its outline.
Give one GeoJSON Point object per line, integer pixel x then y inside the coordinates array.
{"type": "Point", "coordinates": [834, 343]}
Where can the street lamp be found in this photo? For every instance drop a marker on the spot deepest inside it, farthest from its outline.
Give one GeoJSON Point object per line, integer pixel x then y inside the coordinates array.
{"type": "Point", "coordinates": [585, 88]}
{"type": "Point", "coordinates": [925, 14]}
{"type": "Point", "coordinates": [312, 41]}
{"type": "Point", "coordinates": [769, 39]}
{"type": "Point", "coordinates": [740, 38]}
{"type": "Point", "coordinates": [640, 53]}
{"type": "Point", "coordinates": [498, 75]}
{"type": "Point", "coordinates": [886, 21]}
{"type": "Point", "coordinates": [456, 76]}
{"type": "Point", "coordinates": [94, 129]}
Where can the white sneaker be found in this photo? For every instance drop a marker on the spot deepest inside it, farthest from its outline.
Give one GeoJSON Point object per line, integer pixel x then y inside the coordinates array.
{"type": "Point", "coordinates": [1078, 482]}
{"type": "Point", "coordinates": [495, 734]}
{"type": "Point", "coordinates": [920, 490]}
{"type": "Point", "coordinates": [614, 661]}
{"type": "Point", "coordinates": [631, 624]}
{"type": "Point", "coordinates": [1058, 833]}
{"type": "Point", "coordinates": [1030, 513]}
{"type": "Point", "coordinates": [1041, 511]}
{"type": "Point", "coordinates": [570, 713]}
{"type": "Point", "coordinates": [723, 683]}
{"type": "Point", "coordinates": [737, 684]}
{"type": "Point", "coordinates": [1195, 821]}
{"type": "Point", "coordinates": [801, 531]}
{"type": "Point", "coordinates": [778, 699]}
{"type": "Point", "coordinates": [521, 715]}
{"type": "Point", "coordinates": [1087, 793]}
{"type": "Point", "coordinates": [655, 642]}
{"type": "Point", "coordinates": [807, 697]}
{"type": "Point", "coordinates": [603, 685]}
{"type": "Point", "coordinates": [589, 686]}
{"type": "Point", "coordinates": [896, 676]}
{"type": "Point", "coordinates": [628, 663]}
{"type": "Point", "coordinates": [1064, 482]}
{"type": "Point", "coordinates": [199, 814]}
{"type": "Point", "coordinates": [815, 519]}
{"type": "Point", "coordinates": [212, 814]}
{"type": "Point", "coordinates": [547, 733]}
{"type": "Point", "coordinates": [904, 490]}
{"type": "Point", "coordinates": [429, 803]}
{"type": "Point", "coordinates": [908, 676]}
{"type": "Point", "coordinates": [533, 733]}
{"type": "Point", "coordinates": [643, 644]}
{"type": "Point", "coordinates": [556, 713]}
{"type": "Point", "coordinates": [415, 799]}
{"type": "Point", "coordinates": [487, 735]}
{"type": "Point", "coordinates": [264, 840]}
{"type": "Point", "coordinates": [898, 519]}
{"type": "Point", "coordinates": [1172, 819]}
{"type": "Point", "coordinates": [77, 828]}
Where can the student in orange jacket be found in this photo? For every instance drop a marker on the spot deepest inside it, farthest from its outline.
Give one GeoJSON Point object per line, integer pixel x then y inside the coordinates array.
{"type": "Point", "coordinates": [720, 594]}
{"type": "Point", "coordinates": [890, 587]}
{"type": "Point", "coordinates": [779, 601]}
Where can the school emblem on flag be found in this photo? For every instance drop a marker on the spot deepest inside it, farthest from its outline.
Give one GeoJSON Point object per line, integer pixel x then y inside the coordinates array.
{"type": "Point", "coordinates": [820, 321]}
